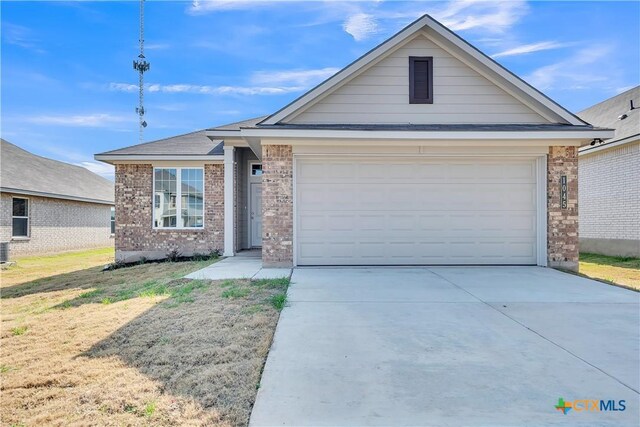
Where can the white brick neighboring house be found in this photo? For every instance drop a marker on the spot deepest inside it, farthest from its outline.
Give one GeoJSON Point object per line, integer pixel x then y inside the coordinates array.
{"type": "Point", "coordinates": [48, 206]}
{"type": "Point", "coordinates": [609, 179]}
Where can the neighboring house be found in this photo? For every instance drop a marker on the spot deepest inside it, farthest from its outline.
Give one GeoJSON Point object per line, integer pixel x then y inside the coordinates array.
{"type": "Point", "coordinates": [609, 179]}
{"type": "Point", "coordinates": [49, 206]}
{"type": "Point", "coordinates": [423, 151]}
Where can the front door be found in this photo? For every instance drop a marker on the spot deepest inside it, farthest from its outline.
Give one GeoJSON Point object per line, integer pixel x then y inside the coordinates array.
{"type": "Point", "coordinates": [255, 211]}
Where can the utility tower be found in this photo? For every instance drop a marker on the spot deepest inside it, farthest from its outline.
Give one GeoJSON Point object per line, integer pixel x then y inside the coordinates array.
{"type": "Point", "coordinates": [141, 66]}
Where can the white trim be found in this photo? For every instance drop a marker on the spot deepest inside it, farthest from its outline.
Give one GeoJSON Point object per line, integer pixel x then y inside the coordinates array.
{"type": "Point", "coordinates": [416, 27]}
{"type": "Point", "coordinates": [541, 207]}
{"type": "Point", "coordinates": [178, 199]}
{"type": "Point", "coordinates": [578, 135]}
{"type": "Point", "coordinates": [27, 217]}
{"type": "Point", "coordinates": [109, 158]}
{"type": "Point", "coordinates": [541, 196]}
{"type": "Point", "coordinates": [583, 151]}
{"type": "Point", "coordinates": [229, 211]}
{"type": "Point", "coordinates": [295, 210]}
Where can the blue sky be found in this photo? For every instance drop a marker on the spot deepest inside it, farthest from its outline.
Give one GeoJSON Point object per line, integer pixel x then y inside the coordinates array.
{"type": "Point", "coordinates": [68, 86]}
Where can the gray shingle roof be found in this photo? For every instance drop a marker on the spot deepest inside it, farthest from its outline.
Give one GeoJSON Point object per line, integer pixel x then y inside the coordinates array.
{"type": "Point", "coordinates": [195, 144]}
{"type": "Point", "coordinates": [606, 114]}
{"type": "Point", "coordinates": [25, 173]}
{"type": "Point", "coordinates": [238, 125]}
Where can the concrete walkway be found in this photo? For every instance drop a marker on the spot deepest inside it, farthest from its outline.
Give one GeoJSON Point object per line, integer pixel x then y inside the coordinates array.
{"type": "Point", "coordinates": [245, 265]}
{"type": "Point", "coordinates": [450, 346]}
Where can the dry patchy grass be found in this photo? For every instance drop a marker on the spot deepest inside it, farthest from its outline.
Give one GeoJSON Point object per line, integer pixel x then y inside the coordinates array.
{"type": "Point", "coordinates": [616, 270]}
{"type": "Point", "coordinates": [134, 346]}
{"type": "Point", "coordinates": [35, 267]}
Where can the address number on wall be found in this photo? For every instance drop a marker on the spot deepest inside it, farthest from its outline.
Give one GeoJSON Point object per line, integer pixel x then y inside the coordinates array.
{"type": "Point", "coordinates": [563, 192]}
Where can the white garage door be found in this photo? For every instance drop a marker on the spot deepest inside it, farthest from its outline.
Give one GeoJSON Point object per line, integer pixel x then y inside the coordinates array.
{"type": "Point", "coordinates": [408, 211]}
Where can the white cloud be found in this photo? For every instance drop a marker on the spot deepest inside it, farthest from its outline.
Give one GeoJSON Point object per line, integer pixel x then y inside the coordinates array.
{"type": "Point", "coordinates": [209, 90]}
{"type": "Point", "coordinates": [18, 35]}
{"type": "Point", "coordinates": [262, 83]}
{"type": "Point", "coordinates": [102, 169]}
{"type": "Point", "coordinates": [491, 17]}
{"type": "Point", "coordinates": [204, 6]}
{"type": "Point", "coordinates": [306, 78]}
{"type": "Point", "coordinates": [529, 48]}
{"type": "Point", "coordinates": [575, 72]}
{"type": "Point", "coordinates": [86, 120]}
{"type": "Point", "coordinates": [360, 26]}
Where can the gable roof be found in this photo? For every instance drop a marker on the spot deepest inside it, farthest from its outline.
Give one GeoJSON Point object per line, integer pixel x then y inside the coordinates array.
{"type": "Point", "coordinates": [25, 173]}
{"type": "Point", "coordinates": [606, 114]}
{"type": "Point", "coordinates": [238, 125]}
{"type": "Point", "coordinates": [194, 143]}
{"type": "Point", "coordinates": [481, 62]}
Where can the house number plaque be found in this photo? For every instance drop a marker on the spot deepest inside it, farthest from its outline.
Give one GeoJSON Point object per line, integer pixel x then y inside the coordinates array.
{"type": "Point", "coordinates": [563, 192]}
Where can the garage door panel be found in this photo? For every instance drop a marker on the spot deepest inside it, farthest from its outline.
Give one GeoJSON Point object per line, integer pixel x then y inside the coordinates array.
{"type": "Point", "coordinates": [415, 211]}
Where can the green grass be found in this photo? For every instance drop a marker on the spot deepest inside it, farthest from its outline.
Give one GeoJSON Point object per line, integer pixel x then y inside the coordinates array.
{"type": "Point", "coordinates": [19, 330]}
{"type": "Point", "coordinates": [622, 271]}
{"type": "Point", "coordinates": [4, 369]}
{"type": "Point", "coordinates": [150, 409]}
{"type": "Point", "coordinates": [279, 301]}
{"type": "Point", "coordinates": [235, 292]}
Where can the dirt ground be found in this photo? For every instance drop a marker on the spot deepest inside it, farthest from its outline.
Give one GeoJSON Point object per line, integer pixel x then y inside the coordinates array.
{"type": "Point", "coordinates": [134, 346]}
{"type": "Point", "coordinates": [617, 270]}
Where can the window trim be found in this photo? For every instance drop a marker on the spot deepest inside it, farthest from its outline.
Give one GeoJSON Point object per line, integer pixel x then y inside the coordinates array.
{"type": "Point", "coordinates": [28, 236]}
{"type": "Point", "coordinates": [178, 198]}
{"type": "Point", "coordinates": [412, 61]}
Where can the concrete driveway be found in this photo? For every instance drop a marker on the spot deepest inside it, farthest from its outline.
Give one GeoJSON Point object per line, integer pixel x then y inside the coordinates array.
{"type": "Point", "coordinates": [450, 346]}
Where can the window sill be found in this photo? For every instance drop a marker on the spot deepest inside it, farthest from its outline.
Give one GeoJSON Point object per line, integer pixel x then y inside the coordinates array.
{"type": "Point", "coordinates": [178, 229]}
{"type": "Point", "coordinates": [18, 238]}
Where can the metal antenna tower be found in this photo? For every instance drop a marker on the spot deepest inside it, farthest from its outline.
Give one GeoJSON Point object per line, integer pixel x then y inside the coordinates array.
{"type": "Point", "coordinates": [141, 66]}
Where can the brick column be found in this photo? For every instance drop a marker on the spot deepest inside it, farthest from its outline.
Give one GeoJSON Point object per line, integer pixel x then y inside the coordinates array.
{"type": "Point", "coordinates": [562, 222]}
{"type": "Point", "coordinates": [277, 206]}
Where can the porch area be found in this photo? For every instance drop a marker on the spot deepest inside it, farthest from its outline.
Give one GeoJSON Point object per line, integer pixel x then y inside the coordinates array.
{"type": "Point", "coordinates": [244, 265]}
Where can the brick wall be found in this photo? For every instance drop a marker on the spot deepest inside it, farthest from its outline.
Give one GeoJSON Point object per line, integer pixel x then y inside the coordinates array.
{"type": "Point", "coordinates": [277, 206]}
{"type": "Point", "coordinates": [610, 193]}
{"type": "Point", "coordinates": [57, 225]}
{"type": "Point", "coordinates": [135, 236]}
{"type": "Point", "coordinates": [562, 228]}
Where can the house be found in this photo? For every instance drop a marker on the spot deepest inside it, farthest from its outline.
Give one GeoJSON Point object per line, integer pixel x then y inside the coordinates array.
{"type": "Point", "coordinates": [422, 151]}
{"type": "Point", "coordinates": [609, 179]}
{"type": "Point", "coordinates": [50, 206]}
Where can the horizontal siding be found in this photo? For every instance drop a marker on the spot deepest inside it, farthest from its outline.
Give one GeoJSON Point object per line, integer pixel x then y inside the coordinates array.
{"type": "Point", "coordinates": [381, 95]}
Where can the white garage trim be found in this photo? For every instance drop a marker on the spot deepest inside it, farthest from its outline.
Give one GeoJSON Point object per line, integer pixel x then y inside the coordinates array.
{"type": "Point", "coordinates": [540, 195]}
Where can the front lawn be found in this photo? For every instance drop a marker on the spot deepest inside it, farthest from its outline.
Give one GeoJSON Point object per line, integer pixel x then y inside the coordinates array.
{"type": "Point", "coordinates": [35, 267]}
{"type": "Point", "coordinates": [134, 346]}
{"type": "Point", "coordinates": [616, 270]}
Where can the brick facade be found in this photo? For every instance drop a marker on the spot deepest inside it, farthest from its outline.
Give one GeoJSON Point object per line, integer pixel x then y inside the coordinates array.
{"type": "Point", "coordinates": [277, 206]}
{"type": "Point", "coordinates": [610, 200]}
{"type": "Point", "coordinates": [562, 224]}
{"type": "Point", "coordinates": [57, 225]}
{"type": "Point", "coordinates": [135, 235]}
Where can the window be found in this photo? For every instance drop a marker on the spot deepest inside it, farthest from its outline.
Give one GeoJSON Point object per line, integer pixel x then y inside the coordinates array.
{"type": "Point", "coordinates": [20, 219]}
{"type": "Point", "coordinates": [421, 80]}
{"type": "Point", "coordinates": [113, 220]}
{"type": "Point", "coordinates": [256, 169]}
{"type": "Point", "coordinates": [178, 198]}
